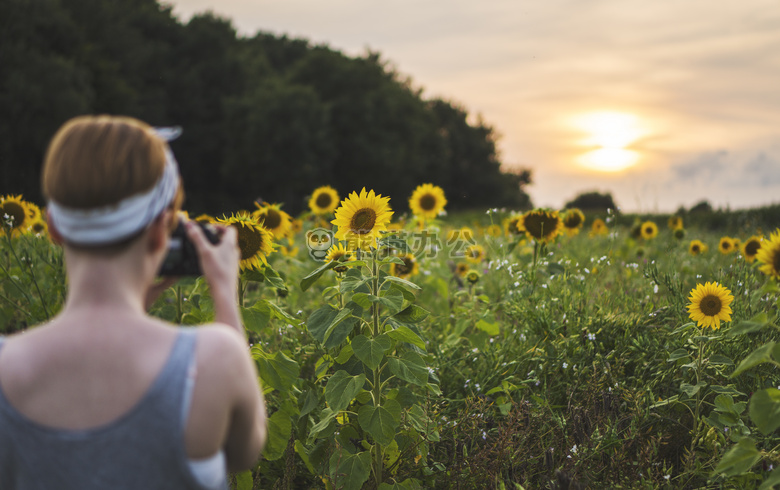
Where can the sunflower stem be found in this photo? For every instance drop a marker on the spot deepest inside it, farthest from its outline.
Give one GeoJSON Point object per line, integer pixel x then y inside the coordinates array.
{"type": "Point", "coordinates": [179, 304]}
{"type": "Point", "coordinates": [377, 388]}
{"type": "Point", "coordinates": [241, 290]}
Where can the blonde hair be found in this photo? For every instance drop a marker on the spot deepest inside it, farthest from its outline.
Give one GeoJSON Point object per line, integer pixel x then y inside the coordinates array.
{"type": "Point", "coordinates": [95, 161]}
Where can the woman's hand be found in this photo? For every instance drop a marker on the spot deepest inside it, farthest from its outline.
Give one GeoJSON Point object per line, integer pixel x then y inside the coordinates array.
{"type": "Point", "coordinates": [220, 265]}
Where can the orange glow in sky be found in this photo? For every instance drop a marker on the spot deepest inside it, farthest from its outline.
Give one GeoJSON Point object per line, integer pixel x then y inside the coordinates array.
{"type": "Point", "coordinates": [608, 138]}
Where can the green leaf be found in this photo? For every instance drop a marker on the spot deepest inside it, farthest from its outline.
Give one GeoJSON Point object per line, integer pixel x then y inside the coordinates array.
{"type": "Point", "coordinates": [345, 354]}
{"type": "Point", "coordinates": [320, 320]}
{"type": "Point", "coordinates": [392, 299]}
{"type": "Point", "coordinates": [405, 334]}
{"type": "Point", "coordinates": [313, 276]}
{"type": "Point", "coordinates": [489, 328]}
{"type": "Point", "coordinates": [256, 317]}
{"type": "Point", "coordinates": [677, 355]}
{"type": "Point", "coordinates": [759, 356]}
{"type": "Point", "coordinates": [772, 480]}
{"type": "Point", "coordinates": [371, 351]}
{"type": "Point", "coordinates": [273, 278]}
{"type": "Point", "coordinates": [720, 360]}
{"type": "Point", "coordinates": [410, 368]}
{"type": "Point", "coordinates": [300, 449]}
{"type": "Point", "coordinates": [350, 471]}
{"type": "Point", "coordinates": [342, 389]}
{"type": "Point", "coordinates": [724, 403]}
{"type": "Point", "coordinates": [276, 370]}
{"type": "Point", "coordinates": [321, 428]}
{"type": "Point", "coordinates": [408, 285]}
{"type": "Point", "coordinates": [279, 430]}
{"type": "Point", "coordinates": [765, 410]}
{"type": "Point", "coordinates": [690, 389]}
{"type": "Point", "coordinates": [739, 459]}
{"type": "Point", "coordinates": [244, 480]}
{"type": "Point", "coordinates": [755, 324]}
{"type": "Point", "coordinates": [380, 422]}
{"type": "Point", "coordinates": [310, 401]}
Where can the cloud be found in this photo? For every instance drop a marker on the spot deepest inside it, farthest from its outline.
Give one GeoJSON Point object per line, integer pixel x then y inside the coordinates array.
{"type": "Point", "coordinates": [763, 170]}
{"type": "Point", "coordinates": [705, 168]}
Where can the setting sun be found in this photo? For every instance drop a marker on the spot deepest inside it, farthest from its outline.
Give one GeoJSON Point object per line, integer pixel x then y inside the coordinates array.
{"type": "Point", "coordinates": [608, 136]}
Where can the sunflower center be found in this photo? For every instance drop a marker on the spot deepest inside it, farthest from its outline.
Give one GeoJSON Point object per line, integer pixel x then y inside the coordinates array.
{"type": "Point", "coordinates": [250, 242]}
{"type": "Point", "coordinates": [15, 211]}
{"type": "Point", "coordinates": [428, 202]}
{"type": "Point", "coordinates": [272, 219]}
{"type": "Point", "coordinates": [725, 245]}
{"type": "Point", "coordinates": [363, 221]}
{"type": "Point", "coordinates": [572, 220]}
{"type": "Point", "coordinates": [324, 200]}
{"type": "Point", "coordinates": [776, 260]}
{"type": "Point", "coordinates": [695, 248]}
{"type": "Point", "coordinates": [710, 305]}
{"type": "Point", "coordinates": [540, 225]}
{"type": "Point", "coordinates": [406, 268]}
{"type": "Point", "coordinates": [648, 230]}
{"type": "Point", "coordinates": [751, 248]}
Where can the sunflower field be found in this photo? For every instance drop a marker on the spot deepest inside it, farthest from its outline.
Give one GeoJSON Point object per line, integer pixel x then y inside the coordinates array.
{"type": "Point", "coordinates": [494, 349]}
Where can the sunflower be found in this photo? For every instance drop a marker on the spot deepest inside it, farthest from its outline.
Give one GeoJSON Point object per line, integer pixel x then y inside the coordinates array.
{"type": "Point", "coordinates": [697, 247]}
{"type": "Point", "coordinates": [675, 223]}
{"type": "Point", "coordinates": [510, 225]}
{"type": "Point", "coordinates": [475, 254]}
{"type": "Point", "coordinates": [38, 227]}
{"type": "Point", "coordinates": [541, 224]}
{"type": "Point", "coordinates": [710, 304]}
{"type": "Point", "coordinates": [679, 233]}
{"type": "Point", "coordinates": [361, 218]}
{"type": "Point", "coordinates": [340, 254]}
{"type": "Point", "coordinates": [769, 255]}
{"type": "Point", "coordinates": [462, 269]}
{"type": "Point", "coordinates": [273, 219]}
{"type": "Point", "coordinates": [296, 226]}
{"type": "Point", "coordinates": [573, 219]}
{"type": "Point", "coordinates": [649, 230]}
{"type": "Point", "coordinates": [726, 245]}
{"type": "Point", "coordinates": [324, 200]}
{"type": "Point", "coordinates": [256, 242]}
{"type": "Point", "coordinates": [494, 231]}
{"type": "Point", "coordinates": [472, 276]}
{"type": "Point", "coordinates": [33, 211]}
{"type": "Point", "coordinates": [205, 219]}
{"type": "Point", "coordinates": [751, 247]}
{"type": "Point", "coordinates": [598, 227]}
{"type": "Point", "coordinates": [14, 214]}
{"type": "Point", "coordinates": [408, 269]}
{"type": "Point", "coordinates": [427, 201]}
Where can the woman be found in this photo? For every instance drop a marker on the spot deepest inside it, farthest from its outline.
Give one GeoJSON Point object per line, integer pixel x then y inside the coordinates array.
{"type": "Point", "coordinates": [105, 396]}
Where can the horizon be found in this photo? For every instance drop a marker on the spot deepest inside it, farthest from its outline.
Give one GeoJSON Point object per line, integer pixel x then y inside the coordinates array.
{"type": "Point", "coordinates": [660, 105]}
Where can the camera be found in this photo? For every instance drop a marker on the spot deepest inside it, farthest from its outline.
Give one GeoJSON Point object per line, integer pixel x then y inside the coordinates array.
{"type": "Point", "coordinates": [182, 258]}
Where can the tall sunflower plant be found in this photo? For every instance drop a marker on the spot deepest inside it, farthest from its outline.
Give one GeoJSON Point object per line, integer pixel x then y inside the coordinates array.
{"type": "Point", "coordinates": [367, 414]}
{"type": "Point", "coordinates": [764, 405]}
{"type": "Point", "coordinates": [702, 371]}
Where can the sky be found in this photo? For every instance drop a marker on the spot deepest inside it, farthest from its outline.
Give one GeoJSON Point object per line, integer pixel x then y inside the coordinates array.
{"type": "Point", "coordinates": [662, 103]}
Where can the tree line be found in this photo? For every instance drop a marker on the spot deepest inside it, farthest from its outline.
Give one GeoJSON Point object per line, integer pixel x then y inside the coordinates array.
{"type": "Point", "coordinates": [264, 117]}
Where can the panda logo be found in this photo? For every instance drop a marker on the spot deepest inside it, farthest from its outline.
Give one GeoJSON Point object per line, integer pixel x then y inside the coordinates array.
{"type": "Point", "coordinates": [319, 241]}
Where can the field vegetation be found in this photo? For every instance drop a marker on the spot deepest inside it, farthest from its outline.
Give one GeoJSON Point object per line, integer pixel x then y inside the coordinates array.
{"type": "Point", "coordinates": [489, 349]}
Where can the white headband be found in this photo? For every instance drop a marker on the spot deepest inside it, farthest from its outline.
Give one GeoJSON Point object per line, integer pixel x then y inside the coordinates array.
{"type": "Point", "coordinates": [114, 223]}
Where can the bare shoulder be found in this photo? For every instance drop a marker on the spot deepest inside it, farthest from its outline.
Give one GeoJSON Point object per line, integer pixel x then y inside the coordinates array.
{"type": "Point", "coordinates": [220, 348]}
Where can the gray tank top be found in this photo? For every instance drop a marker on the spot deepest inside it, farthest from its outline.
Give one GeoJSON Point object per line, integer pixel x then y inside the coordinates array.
{"type": "Point", "coordinates": [143, 449]}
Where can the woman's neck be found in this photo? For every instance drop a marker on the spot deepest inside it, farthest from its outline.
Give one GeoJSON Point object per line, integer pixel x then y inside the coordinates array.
{"type": "Point", "coordinates": [117, 283]}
